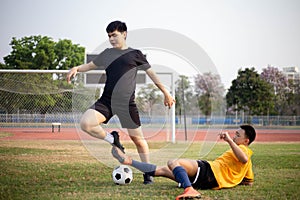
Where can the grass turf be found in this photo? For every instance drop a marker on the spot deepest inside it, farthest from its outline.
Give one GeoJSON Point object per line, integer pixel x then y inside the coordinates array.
{"type": "Point", "coordinates": [65, 170]}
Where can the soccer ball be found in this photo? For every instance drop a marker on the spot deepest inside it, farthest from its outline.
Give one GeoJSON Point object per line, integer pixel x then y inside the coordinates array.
{"type": "Point", "coordinates": [122, 175]}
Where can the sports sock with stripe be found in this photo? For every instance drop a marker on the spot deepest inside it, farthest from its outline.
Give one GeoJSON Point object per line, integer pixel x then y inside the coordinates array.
{"type": "Point", "coordinates": [182, 177]}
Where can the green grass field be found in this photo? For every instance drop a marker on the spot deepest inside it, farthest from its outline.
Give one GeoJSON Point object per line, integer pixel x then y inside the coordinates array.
{"type": "Point", "coordinates": [44, 169]}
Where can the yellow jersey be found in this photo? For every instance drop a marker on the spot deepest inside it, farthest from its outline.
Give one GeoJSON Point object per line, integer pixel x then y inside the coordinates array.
{"type": "Point", "coordinates": [229, 171]}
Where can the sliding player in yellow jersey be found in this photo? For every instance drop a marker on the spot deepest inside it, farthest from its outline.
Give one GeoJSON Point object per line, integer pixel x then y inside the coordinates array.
{"type": "Point", "coordinates": [232, 168]}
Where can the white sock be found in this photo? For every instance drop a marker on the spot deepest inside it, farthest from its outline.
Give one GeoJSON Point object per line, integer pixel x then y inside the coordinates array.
{"type": "Point", "coordinates": [109, 138]}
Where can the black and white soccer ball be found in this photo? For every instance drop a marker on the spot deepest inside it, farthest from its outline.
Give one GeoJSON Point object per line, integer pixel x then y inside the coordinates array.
{"type": "Point", "coordinates": [122, 175]}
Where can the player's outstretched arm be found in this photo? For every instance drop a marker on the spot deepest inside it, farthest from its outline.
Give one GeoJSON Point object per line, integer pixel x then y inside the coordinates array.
{"type": "Point", "coordinates": [81, 68]}
{"type": "Point", "coordinates": [238, 152]}
{"type": "Point", "coordinates": [169, 100]}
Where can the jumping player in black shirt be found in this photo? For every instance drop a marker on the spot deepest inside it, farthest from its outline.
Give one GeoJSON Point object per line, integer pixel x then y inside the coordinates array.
{"type": "Point", "coordinates": [121, 64]}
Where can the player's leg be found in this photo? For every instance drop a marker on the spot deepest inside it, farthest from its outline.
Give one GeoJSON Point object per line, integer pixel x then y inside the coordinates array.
{"type": "Point", "coordinates": [130, 119]}
{"type": "Point", "coordinates": [190, 166]}
{"type": "Point", "coordinates": [182, 170]}
{"type": "Point", "coordinates": [141, 144]}
{"type": "Point", "coordinates": [90, 123]}
{"type": "Point", "coordinates": [142, 166]}
{"type": "Point", "coordinates": [165, 171]}
{"type": "Point", "coordinates": [133, 124]}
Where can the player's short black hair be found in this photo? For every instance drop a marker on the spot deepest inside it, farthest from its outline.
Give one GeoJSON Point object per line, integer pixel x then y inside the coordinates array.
{"type": "Point", "coordinates": [116, 25]}
{"type": "Point", "coordinates": [249, 132]}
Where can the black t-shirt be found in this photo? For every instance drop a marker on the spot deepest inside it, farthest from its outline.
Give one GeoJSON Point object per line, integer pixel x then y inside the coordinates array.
{"type": "Point", "coordinates": [121, 68]}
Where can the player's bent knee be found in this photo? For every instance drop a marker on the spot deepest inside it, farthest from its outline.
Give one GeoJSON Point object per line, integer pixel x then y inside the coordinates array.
{"type": "Point", "coordinates": [84, 125]}
{"type": "Point", "coordinates": [172, 164]}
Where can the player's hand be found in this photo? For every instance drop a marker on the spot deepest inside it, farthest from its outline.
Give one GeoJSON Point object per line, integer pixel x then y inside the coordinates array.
{"type": "Point", "coordinates": [72, 73]}
{"type": "Point", "coordinates": [169, 100]}
{"type": "Point", "coordinates": [224, 136]}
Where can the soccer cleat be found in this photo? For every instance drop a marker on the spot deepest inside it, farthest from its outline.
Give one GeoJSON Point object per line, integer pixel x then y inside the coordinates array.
{"type": "Point", "coordinates": [189, 193]}
{"type": "Point", "coordinates": [116, 142]}
{"type": "Point", "coordinates": [148, 179]}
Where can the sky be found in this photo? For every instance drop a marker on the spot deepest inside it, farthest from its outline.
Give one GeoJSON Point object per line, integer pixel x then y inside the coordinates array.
{"type": "Point", "coordinates": [234, 33]}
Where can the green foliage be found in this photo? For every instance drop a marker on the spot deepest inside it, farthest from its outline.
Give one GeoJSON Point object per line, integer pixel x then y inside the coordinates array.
{"type": "Point", "coordinates": [250, 93]}
{"type": "Point", "coordinates": [38, 93]}
{"type": "Point", "coordinates": [294, 97]}
{"type": "Point", "coordinates": [147, 97]}
{"type": "Point", "coordinates": [41, 52]}
{"type": "Point", "coordinates": [279, 82]}
{"type": "Point", "coordinates": [33, 93]}
{"type": "Point", "coordinates": [185, 97]}
{"type": "Point", "coordinates": [68, 54]}
{"type": "Point", "coordinates": [2, 66]}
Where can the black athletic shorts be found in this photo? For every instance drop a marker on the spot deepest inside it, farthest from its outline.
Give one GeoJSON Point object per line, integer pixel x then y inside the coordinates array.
{"type": "Point", "coordinates": [205, 178]}
{"type": "Point", "coordinates": [127, 113]}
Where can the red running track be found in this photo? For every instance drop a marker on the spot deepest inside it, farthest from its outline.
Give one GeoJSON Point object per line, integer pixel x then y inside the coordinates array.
{"type": "Point", "coordinates": [263, 135]}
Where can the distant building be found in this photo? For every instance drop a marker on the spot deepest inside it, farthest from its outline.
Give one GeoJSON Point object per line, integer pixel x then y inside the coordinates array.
{"type": "Point", "coordinates": [292, 73]}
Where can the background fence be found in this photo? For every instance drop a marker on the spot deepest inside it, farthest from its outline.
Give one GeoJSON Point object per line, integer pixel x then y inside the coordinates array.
{"type": "Point", "coordinates": [70, 119]}
{"type": "Point", "coordinates": [30, 98]}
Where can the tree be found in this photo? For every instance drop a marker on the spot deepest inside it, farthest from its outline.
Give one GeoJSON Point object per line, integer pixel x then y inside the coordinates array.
{"type": "Point", "coordinates": [280, 84]}
{"type": "Point", "coordinates": [38, 52]}
{"type": "Point", "coordinates": [2, 66]}
{"type": "Point", "coordinates": [68, 54]}
{"type": "Point", "coordinates": [210, 91]}
{"type": "Point", "coordinates": [249, 92]}
{"type": "Point", "coordinates": [184, 95]}
{"type": "Point", "coordinates": [294, 97]}
{"type": "Point", "coordinates": [33, 93]}
{"type": "Point", "coordinates": [41, 52]}
{"type": "Point", "coordinates": [147, 97]}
